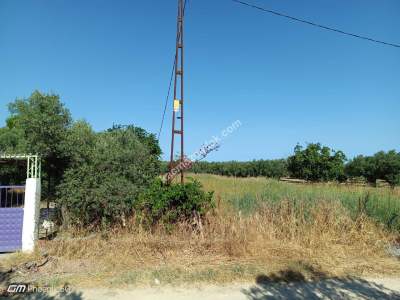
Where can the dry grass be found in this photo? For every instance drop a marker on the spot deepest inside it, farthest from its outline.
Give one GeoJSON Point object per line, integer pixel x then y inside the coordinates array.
{"type": "Point", "coordinates": [247, 194]}
{"type": "Point", "coordinates": [227, 246]}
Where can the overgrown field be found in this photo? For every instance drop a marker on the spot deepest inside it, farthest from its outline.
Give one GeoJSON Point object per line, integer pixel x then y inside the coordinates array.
{"type": "Point", "coordinates": [259, 226]}
{"type": "Point", "coordinates": [250, 194]}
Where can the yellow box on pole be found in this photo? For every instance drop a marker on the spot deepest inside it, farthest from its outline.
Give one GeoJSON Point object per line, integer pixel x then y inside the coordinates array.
{"type": "Point", "coordinates": [176, 105]}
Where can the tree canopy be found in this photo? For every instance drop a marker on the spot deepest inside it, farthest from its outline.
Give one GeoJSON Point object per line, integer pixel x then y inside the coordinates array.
{"type": "Point", "coordinates": [317, 163]}
{"type": "Point", "coordinates": [97, 175]}
{"type": "Point", "coordinates": [39, 124]}
{"type": "Point", "coordinates": [382, 165]}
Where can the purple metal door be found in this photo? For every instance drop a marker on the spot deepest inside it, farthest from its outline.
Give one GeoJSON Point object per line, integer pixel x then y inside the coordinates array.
{"type": "Point", "coordinates": [11, 217]}
{"type": "Point", "coordinates": [11, 229]}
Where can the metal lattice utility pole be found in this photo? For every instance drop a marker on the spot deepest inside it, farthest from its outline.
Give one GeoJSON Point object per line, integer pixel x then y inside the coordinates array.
{"type": "Point", "coordinates": [178, 112]}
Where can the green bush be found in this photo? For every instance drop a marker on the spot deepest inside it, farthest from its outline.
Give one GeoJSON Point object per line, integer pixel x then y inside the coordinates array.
{"type": "Point", "coordinates": [168, 204]}
{"type": "Point", "coordinates": [101, 187]}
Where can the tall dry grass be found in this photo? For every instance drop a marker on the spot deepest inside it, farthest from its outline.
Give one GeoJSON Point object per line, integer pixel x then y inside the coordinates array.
{"type": "Point", "coordinates": [326, 237]}
{"type": "Point", "coordinates": [290, 226]}
{"type": "Point", "coordinates": [248, 194]}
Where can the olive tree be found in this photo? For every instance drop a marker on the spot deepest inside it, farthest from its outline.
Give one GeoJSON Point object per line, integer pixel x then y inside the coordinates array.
{"type": "Point", "coordinates": [317, 163]}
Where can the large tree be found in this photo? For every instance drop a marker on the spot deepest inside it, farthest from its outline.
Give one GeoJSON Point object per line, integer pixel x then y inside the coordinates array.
{"type": "Point", "coordinates": [317, 163]}
{"type": "Point", "coordinates": [39, 124]}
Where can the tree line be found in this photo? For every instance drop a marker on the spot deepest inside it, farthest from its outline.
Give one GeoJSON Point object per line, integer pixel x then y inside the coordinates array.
{"type": "Point", "coordinates": [316, 163]}
{"type": "Point", "coordinates": [266, 168]}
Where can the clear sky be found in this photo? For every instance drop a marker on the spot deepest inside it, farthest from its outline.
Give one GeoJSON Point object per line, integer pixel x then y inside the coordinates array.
{"type": "Point", "coordinates": [110, 61]}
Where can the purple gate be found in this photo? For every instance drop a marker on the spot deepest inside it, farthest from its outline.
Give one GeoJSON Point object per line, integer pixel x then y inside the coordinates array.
{"type": "Point", "coordinates": [11, 217]}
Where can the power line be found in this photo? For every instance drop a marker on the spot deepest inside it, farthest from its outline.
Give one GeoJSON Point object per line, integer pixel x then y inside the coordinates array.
{"type": "Point", "coordinates": [169, 87]}
{"type": "Point", "coordinates": [167, 98]}
{"type": "Point", "coordinates": [315, 24]}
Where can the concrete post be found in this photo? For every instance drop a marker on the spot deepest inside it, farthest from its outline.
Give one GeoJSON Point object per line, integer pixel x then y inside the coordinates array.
{"type": "Point", "coordinates": [31, 214]}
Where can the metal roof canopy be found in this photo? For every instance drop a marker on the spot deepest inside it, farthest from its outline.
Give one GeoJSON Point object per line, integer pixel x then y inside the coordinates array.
{"type": "Point", "coordinates": [33, 162]}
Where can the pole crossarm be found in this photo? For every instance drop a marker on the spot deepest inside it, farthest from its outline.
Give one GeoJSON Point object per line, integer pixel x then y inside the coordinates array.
{"type": "Point", "coordinates": [33, 163]}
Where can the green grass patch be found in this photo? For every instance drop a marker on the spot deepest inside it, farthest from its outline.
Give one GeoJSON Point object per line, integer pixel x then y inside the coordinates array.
{"type": "Point", "coordinates": [248, 194]}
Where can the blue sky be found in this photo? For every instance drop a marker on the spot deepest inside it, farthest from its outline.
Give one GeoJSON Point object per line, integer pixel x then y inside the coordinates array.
{"type": "Point", "coordinates": [286, 82]}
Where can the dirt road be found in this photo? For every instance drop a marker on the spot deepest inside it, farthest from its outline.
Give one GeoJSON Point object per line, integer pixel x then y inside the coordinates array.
{"type": "Point", "coordinates": [350, 288]}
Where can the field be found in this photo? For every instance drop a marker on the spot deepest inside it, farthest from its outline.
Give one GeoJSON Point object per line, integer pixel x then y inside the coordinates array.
{"type": "Point", "coordinates": [249, 194]}
{"type": "Point", "coordinates": [259, 226]}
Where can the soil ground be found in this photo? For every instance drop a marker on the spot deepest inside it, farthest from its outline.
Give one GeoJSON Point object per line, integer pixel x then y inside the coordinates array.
{"type": "Point", "coordinates": [348, 288]}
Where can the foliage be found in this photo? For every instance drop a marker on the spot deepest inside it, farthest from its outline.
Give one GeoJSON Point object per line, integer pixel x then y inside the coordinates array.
{"type": "Point", "coordinates": [102, 174]}
{"type": "Point", "coordinates": [11, 141]}
{"type": "Point", "coordinates": [382, 165]}
{"type": "Point", "coordinates": [146, 138]}
{"type": "Point", "coordinates": [39, 125]}
{"type": "Point", "coordinates": [317, 163]}
{"type": "Point", "coordinates": [167, 204]}
{"type": "Point", "coordinates": [268, 168]}
{"type": "Point", "coordinates": [101, 177]}
{"type": "Point", "coordinates": [44, 121]}
{"type": "Point", "coordinates": [80, 143]}
{"type": "Point", "coordinates": [110, 172]}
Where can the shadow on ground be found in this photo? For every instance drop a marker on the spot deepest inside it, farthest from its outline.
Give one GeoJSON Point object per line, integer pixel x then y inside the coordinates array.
{"type": "Point", "coordinates": [293, 284]}
{"type": "Point", "coordinates": [40, 296]}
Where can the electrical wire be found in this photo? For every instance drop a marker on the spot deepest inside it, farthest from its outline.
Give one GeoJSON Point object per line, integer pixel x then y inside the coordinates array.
{"type": "Point", "coordinates": [315, 24]}
{"type": "Point", "coordinates": [167, 98]}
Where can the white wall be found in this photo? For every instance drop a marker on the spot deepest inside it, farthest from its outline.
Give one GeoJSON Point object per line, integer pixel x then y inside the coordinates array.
{"type": "Point", "coordinates": [31, 214]}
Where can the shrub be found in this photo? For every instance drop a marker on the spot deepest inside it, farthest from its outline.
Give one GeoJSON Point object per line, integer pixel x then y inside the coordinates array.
{"type": "Point", "coordinates": [102, 188]}
{"type": "Point", "coordinates": [168, 204]}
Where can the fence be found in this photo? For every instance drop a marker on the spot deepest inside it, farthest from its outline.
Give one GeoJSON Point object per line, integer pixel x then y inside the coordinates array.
{"type": "Point", "coordinates": [12, 196]}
